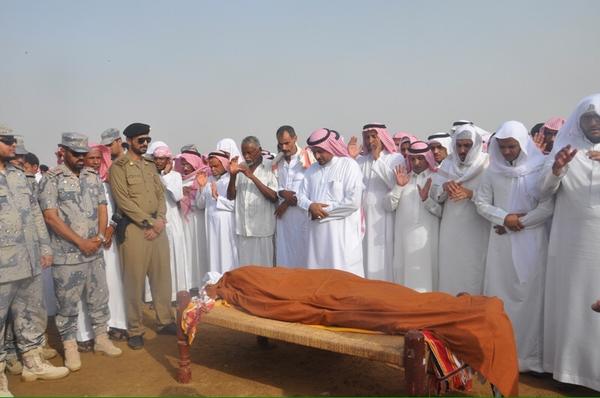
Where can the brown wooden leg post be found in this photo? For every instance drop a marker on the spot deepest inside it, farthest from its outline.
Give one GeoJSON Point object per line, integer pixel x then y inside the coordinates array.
{"type": "Point", "coordinates": [184, 374]}
{"type": "Point", "coordinates": [415, 364]}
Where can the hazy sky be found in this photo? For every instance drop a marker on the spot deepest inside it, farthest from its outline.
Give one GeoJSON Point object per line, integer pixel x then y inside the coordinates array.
{"type": "Point", "coordinates": [197, 71]}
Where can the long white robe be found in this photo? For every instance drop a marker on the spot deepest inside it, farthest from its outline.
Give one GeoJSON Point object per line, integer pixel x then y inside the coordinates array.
{"type": "Point", "coordinates": [220, 226]}
{"type": "Point", "coordinates": [335, 241]}
{"type": "Point", "coordinates": [416, 233]}
{"type": "Point", "coordinates": [194, 232]}
{"type": "Point", "coordinates": [571, 328]}
{"type": "Point", "coordinates": [255, 217]}
{"type": "Point", "coordinates": [378, 241]}
{"type": "Point", "coordinates": [292, 227]}
{"type": "Point", "coordinates": [523, 299]}
{"type": "Point", "coordinates": [463, 242]}
{"type": "Point", "coordinates": [114, 281]}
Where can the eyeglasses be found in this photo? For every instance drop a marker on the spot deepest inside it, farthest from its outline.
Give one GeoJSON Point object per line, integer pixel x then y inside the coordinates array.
{"type": "Point", "coordinates": [8, 140]}
{"type": "Point", "coordinates": [144, 140]}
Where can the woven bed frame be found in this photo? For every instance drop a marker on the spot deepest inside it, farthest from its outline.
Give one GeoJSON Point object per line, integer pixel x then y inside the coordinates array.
{"type": "Point", "coordinates": [408, 352]}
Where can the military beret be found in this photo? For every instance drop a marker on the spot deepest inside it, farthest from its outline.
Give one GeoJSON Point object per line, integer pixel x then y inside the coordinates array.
{"type": "Point", "coordinates": [135, 129]}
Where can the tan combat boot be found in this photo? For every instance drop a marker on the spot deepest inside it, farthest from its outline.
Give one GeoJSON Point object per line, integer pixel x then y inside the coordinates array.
{"type": "Point", "coordinates": [13, 365]}
{"type": "Point", "coordinates": [36, 367]}
{"type": "Point", "coordinates": [4, 382]}
{"type": "Point", "coordinates": [48, 352]}
{"type": "Point", "coordinates": [105, 346]}
{"type": "Point", "coordinates": [72, 358]}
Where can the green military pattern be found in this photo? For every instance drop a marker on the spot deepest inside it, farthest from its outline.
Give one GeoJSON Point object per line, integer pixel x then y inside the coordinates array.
{"type": "Point", "coordinates": [23, 234]}
{"type": "Point", "coordinates": [77, 199]}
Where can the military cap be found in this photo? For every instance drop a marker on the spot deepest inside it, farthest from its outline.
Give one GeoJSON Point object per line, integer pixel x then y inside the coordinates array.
{"type": "Point", "coordinates": [190, 148]}
{"type": "Point", "coordinates": [5, 130]}
{"type": "Point", "coordinates": [108, 136]}
{"type": "Point", "coordinates": [135, 129]}
{"type": "Point", "coordinates": [20, 149]}
{"type": "Point", "coordinates": [75, 142]}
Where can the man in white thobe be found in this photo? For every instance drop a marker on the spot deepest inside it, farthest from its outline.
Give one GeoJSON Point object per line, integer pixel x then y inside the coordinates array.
{"type": "Point", "coordinates": [463, 232]}
{"type": "Point", "coordinates": [377, 162]}
{"type": "Point", "coordinates": [220, 214]}
{"type": "Point", "coordinates": [417, 221]}
{"type": "Point", "coordinates": [441, 146]}
{"type": "Point", "coordinates": [518, 240]}
{"type": "Point", "coordinates": [572, 173]}
{"type": "Point", "coordinates": [292, 222]}
{"type": "Point", "coordinates": [331, 194]}
{"type": "Point", "coordinates": [253, 186]}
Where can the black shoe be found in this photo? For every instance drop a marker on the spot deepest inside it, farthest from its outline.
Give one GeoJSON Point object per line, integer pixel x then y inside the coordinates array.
{"type": "Point", "coordinates": [170, 329]}
{"type": "Point", "coordinates": [135, 342]}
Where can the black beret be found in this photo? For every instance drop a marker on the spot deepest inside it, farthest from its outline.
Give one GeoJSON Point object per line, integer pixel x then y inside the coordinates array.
{"type": "Point", "coordinates": [135, 129]}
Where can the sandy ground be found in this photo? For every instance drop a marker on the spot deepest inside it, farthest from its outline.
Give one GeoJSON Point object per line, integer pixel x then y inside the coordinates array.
{"type": "Point", "coordinates": [228, 363]}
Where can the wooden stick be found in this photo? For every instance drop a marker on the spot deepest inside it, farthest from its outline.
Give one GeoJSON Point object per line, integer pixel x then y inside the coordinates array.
{"type": "Point", "coordinates": [184, 374]}
{"type": "Point", "coordinates": [415, 364]}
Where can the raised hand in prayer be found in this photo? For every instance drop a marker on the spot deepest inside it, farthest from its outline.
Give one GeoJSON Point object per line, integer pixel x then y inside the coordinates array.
{"type": "Point", "coordinates": [594, 155]}
{"type": "Point", "coordinates": [500, 229]}
{"type": "Point", "coordinates": [424, 192]}
{"type": "Point", "coordinates": [245, 170]}
{"type": "Point", "coordinates": [213, 190]}
{"type": "Point", "coordinates": [234, 167]}
{"type": "Point", "coordinates": [538, 140]}
{"type": "Point", "coordinates": [513, 222]}
{"type": "Point", "coordinates": [562, 158]}
{"type": "Point", "coordinates": [353, 148]}
{"type": "Point", "coordinates": [201, 179]}
{"type": "Point", "coordinates": [281, 209]}
{"type": "Point", "coordinates": [596, 306]}
{"type": "Point", "coordinates": [402, 177]}
{"type": "Point", "coordinates": [316, 211]}
{"type": "Point", "coordinates": [168, 168]}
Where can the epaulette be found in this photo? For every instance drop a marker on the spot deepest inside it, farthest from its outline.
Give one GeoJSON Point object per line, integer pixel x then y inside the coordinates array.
{"type": "Point", "coordinates": [122, 161]}
{"type": "Point", "coordinates": [56, 171]}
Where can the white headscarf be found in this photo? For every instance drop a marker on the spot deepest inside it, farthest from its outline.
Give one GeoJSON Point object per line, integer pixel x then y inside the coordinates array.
{"type": "Point", "coordinates": [452, 168]}
{"type": "Point", "coordinates": [228, 145]}
{"type": "Point", "coordinates": [571, 134]}
{"type": "Point", "coordinates": [523, 196]}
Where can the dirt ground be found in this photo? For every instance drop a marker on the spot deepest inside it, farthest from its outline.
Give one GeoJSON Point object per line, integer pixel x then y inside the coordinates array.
{"type": "Point", "coordinates": [229, 363]}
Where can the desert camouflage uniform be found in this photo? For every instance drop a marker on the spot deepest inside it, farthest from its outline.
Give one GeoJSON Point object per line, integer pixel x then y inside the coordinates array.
{"type": "Point", "coordinates": [77, 199]}
{"type": "Point", "coordinates": [23, 240]}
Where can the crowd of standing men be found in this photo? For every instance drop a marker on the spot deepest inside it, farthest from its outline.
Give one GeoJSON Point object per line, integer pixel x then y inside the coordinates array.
{"type": "Point", "coordinates": [511, 214]}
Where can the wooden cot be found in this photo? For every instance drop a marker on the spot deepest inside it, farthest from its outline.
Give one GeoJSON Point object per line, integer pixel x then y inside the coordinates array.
{"type": "Point", "coordinates": [409, 351]}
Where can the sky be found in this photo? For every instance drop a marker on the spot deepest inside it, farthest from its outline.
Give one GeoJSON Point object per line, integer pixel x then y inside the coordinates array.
{"type": "Point", "coordinates": [198, 71]}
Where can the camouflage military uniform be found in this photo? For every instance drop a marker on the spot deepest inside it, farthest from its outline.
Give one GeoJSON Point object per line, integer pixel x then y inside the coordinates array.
{"type": "Point", "coordinates": [77, 199]}
{"type": "Point", "coordinates": [139, 195]}
{"type": "Point", "coordinates": [23, 240]}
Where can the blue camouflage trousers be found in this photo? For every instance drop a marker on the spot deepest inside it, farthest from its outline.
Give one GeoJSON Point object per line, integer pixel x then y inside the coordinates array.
{"type": "Point", "coordinates": [23, 302]}
{"type": "Point", "coordinates": [84, 282]}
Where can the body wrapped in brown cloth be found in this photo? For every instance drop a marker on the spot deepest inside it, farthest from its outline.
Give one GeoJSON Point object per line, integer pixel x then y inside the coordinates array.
{"type": "Point", "coordinates": [475, 328]}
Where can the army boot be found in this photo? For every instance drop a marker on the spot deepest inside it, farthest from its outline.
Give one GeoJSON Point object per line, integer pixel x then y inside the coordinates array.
{"type": "Point", "coordinates": [72, 358]}
{"type": "Point", "coordinates": [4, 382]}
{"type": "Point", "coordinates": [13, 365]}
{"type": "Point", "coordinates": [105, 346]}
{"type": "Point", "coordinates": [36, 367]}
{"type": "Point", "coordinates": [48, 352]}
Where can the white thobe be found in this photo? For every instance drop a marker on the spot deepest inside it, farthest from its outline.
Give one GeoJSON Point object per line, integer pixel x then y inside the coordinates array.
{"type": "Point", "coordinates": [523, 297]}
{"type": "Point", "coordinates": [255, 217]}
{"type": "Point", "coordinates": [378, 241]}
{"type": "Point", "coordinates": [463, 242]}
{"type": "Point", "coordinates": [292, 227]}
{"type": "Point", "coordinates": [114, 281]}
{"type": "Point", "coordinates": [220, 225]}
{"type": "Point", "coordinates": [194, 231]}
{"type": "Point", "coordinates": [334, 241]}
{"type": "Point", "coordinates": [416, 233]}
{"type": "Point", "coordinates": [571, 328]}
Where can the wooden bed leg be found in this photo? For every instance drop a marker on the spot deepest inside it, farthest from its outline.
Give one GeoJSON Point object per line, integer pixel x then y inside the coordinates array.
{"type": "Point", "coordinates": [184, 374]}
{"type": "Point", "coordinates": [415, 364]}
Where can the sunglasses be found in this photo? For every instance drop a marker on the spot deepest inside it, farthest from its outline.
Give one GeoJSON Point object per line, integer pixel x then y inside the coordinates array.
{"type": "Point", "coordinates": [77, 154]}
{"type": "Point", "coordinates": [144, 140]}
{"type": "Point", "coordinates": [8, 139]}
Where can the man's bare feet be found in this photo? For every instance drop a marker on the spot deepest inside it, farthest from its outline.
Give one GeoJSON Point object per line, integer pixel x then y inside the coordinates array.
{"type": "Point", "coordinates": [596, 306]}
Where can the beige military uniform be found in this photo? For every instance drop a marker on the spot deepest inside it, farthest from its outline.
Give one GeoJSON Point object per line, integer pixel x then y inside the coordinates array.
{"type": "Point", "coordinates": [139, 195]}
